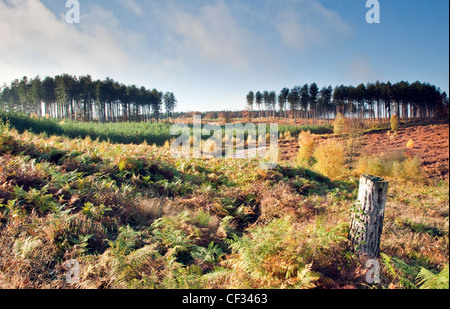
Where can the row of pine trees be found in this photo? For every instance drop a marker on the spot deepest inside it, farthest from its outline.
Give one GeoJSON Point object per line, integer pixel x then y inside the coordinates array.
{"type": "Point", "coordinates": [373, 101]}
{"type": "Point", "coordinates": [82, 98]}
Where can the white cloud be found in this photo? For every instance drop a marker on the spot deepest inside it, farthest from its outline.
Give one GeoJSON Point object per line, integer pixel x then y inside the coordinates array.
{"type": "Point", "coordinates": [132, 6]}
{"type": "Point", "coordinates": [303, 24]}
{"type": "Point", "coordinates": [173, 45]}
{"type": "Point", "coordinates": [212, 34]}
{"type": "Point", "coordinates": [358, 68]}
{"type": "Point", "coordinates": [299, 35]}
{"type": "Point", "coordinates": [35, 41]}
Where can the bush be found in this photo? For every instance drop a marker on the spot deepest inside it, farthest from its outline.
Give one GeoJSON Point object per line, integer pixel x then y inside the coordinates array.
{"type": "Point", "coordinates": [370, 166]}
{"type": "Point", "coordinates": [330, 157]}
{"type": "Point", "coordinates": [339, 124]}
{"type": "Point", "coordinates": [410, 169]}
{"type": "Point", "coordinates": [306, 141]}
{"type": "Point", "coordinates": [395, 165]}
{"type": "Point", "coordinates": [410, 144]}
{"type": "Point", "coordinates": [7, 141]}
{"type": "Point", "coordinates": [294, 130]}
{"type": "Point", "coordinates": [394, 123]}
{"type": "Point", "coordinates": [287, 135]}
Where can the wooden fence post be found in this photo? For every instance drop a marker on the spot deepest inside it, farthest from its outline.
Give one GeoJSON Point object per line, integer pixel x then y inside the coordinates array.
{"type": "Point", "coordinates": [368, 215]}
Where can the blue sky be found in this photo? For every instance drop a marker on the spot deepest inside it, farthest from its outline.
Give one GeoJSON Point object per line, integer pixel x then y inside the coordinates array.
{"type": "Point", "coordinates": [211, 53]}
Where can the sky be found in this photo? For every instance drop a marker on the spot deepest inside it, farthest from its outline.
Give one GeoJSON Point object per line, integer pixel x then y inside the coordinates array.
{"type": "Point", "coordinates": [211, 53]}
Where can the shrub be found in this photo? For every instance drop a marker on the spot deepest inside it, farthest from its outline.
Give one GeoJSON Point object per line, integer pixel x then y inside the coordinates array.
{"type": "Point", "coordinates": [410, 144]}
{"type": "Point", "coordinates": [4, 127]}
{"type": "Point", "coordinates": [166, 145]}
{"type": "Point", "coordinates": [339, 124]}
{"type": "Point", "coordinates": [355, 126]}
{"type": "Point", "coordinates": [306, 142]}
{"type": "Point", "coordinates": [410, 169]}
{"type": "Point", "coordinates": [371, 166]}
{"type": "Point", "coordinates": [7, 141]}
{"type": "Point", "coordinates": [287, 135]}
{"type": "Point", "coordinates": [354, 130]}
{"type": "Point", "coordinates": [330, 157]}
{"type": "Point", "coordinates": [295, 130]}
{"type": "Point", "coordinates": [394, 165]}
{"type": "Point", "coordinates": [394, 123]}
{"type": "Point", "coordinates": [211, 148]}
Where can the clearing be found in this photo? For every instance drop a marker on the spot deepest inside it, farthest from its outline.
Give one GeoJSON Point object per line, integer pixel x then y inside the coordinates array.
{"type": "Point", "coordinates": [431, 146]}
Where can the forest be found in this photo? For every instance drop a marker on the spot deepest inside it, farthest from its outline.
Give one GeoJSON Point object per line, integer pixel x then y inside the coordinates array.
{"type": "Point", "coordinates": [374, 101]}
{"type": "Point", "coordinates": [82, 98]}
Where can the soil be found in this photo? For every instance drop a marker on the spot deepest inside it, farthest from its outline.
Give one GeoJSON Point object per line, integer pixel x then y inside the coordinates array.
{"type": "Point", "coordinates": [431, 145]}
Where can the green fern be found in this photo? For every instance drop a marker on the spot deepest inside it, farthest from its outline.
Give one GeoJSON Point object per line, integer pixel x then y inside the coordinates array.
{"type": "Point", "coordinates": [175, 231]}
{"type": "Point", "coordinates": [274, 256]}
{"type": "Point", "coordinates": [209, 255]}
{"type": "Point", "coordinates": [429, 280]}
{"type": "Point", "coordinates": [400, 273]}
{"type": "Point", "coordinates": [38, 199]}
{"type": "Point", "coordinates": [127, 240]}
{"type": "Point", "coordinates": [136, 270]}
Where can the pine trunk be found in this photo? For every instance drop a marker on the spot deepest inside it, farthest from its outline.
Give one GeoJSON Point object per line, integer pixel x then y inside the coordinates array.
{"type": "Point", "coordinates": [367, 217]}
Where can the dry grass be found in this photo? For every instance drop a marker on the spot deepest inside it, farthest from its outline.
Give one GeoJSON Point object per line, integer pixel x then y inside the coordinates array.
{"type": "Point", "coordinates": [277, 201]}
{"type": "Point", "coordinates": [154, 208]}
{"type": "Point", "coordinates": [416, 228]}
{"type": "Point", "coordinates": [171, 223]}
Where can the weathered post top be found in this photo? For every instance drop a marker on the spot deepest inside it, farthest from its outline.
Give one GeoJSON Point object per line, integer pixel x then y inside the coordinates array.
{"type": "Point", "coordinates": [368, 215]}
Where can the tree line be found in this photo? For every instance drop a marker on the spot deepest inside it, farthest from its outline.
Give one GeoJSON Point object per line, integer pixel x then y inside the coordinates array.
{"type": "Point", "coordinates": [374, 101]}
{"type": "Point", "coordinates": [82, 98]}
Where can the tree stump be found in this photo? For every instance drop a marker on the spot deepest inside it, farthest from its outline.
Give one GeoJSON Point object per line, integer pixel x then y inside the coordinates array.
{"type": "Point", "coordinates": [368, 215]}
